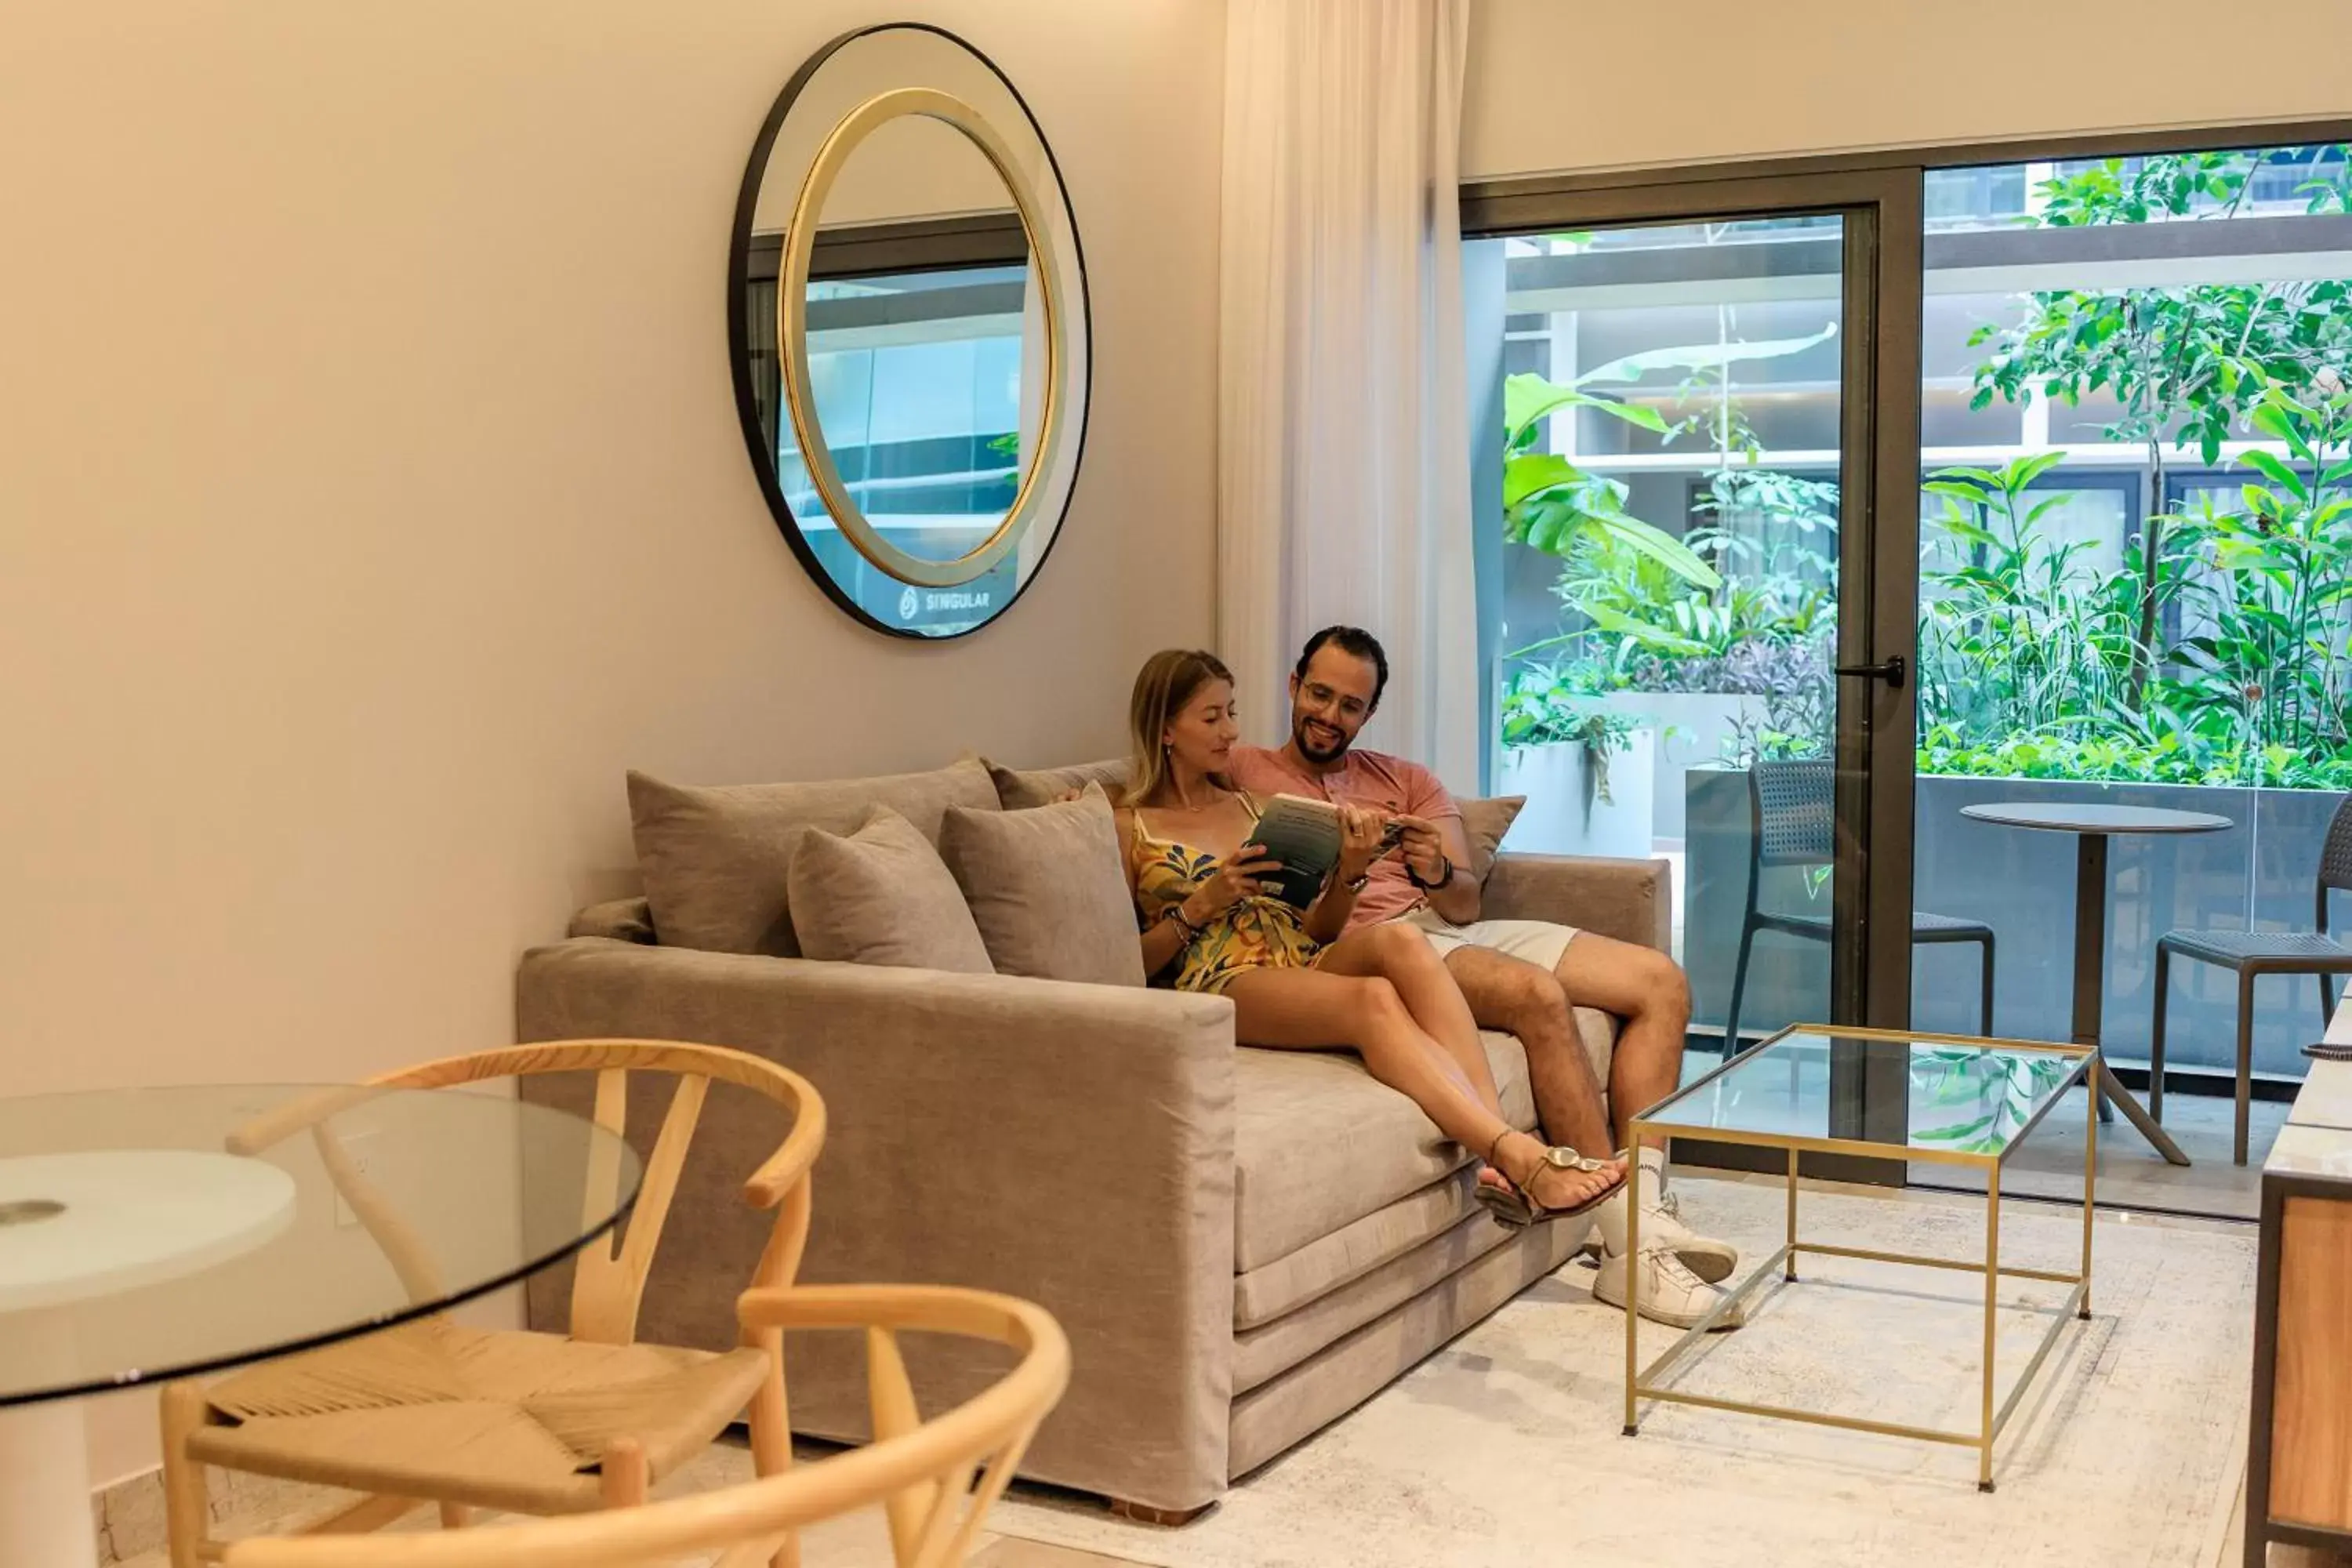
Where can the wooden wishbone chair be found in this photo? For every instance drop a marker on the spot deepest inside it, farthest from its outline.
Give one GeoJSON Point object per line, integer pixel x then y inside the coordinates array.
{"type": "Point", "coordinates": [520, 1422]}
{"type": "Point", "coordinates": [937, 1479]}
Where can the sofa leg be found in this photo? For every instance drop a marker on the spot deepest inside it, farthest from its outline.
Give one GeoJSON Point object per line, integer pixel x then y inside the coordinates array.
{"type": "Point", "coordinates": [1144, 1513]}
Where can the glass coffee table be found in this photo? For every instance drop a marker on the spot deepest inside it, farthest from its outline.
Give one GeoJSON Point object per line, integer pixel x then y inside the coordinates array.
{"type": "Point", "coordinates": [1969, 1102]}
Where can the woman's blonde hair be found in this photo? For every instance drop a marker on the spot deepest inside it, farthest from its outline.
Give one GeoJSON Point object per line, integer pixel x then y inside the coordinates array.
{"type": "Point", "coordinates": [1168, 681]}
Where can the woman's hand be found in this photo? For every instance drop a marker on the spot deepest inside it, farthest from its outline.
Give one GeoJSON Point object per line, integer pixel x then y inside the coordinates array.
{"type": "Point", "coordinates": [1362, 842]}
{"type": "Point", "coordinates": [1239, 876]}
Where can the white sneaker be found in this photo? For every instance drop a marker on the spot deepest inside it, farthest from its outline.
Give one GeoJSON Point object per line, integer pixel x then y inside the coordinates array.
{"type": "Point", "coordinates": [1661, 1223]}
{"type": "Point", "coordinates": [1671, 1293]}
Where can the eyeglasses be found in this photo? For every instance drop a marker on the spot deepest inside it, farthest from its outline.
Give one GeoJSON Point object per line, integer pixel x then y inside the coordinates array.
{"type": "Point", "coordinates": [1323, 696]}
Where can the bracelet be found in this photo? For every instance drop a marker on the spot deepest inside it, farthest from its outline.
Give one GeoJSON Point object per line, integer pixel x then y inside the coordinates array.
{"type": "Point", "coordinates": [1358, 883]}
{"type": "Point", "coordinates": [1444, 876]}
{"type": "Point", "coordinates": [1174, 913]}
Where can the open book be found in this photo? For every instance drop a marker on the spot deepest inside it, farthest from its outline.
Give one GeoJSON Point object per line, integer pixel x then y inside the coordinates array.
{"type": "Point", "coordinates": [1304, 835]}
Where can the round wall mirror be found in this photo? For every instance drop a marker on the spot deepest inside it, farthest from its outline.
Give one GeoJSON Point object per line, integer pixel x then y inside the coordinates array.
{"type": "Point", "coordinates": [907, 305]}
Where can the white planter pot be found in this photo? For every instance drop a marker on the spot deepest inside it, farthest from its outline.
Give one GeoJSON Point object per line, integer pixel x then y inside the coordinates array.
{"type": "Point", "coordinates": [1565, 814]}
{"type": "Point", "coordinates": [1691, 728]}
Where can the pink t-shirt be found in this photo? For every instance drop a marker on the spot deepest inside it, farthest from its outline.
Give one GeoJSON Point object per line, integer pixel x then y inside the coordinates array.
{"type": "Point", "coordinates": [1372, 779]}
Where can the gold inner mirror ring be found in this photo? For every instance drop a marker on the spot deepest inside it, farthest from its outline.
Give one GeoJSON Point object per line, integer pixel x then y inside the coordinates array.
{"type": "Point", "coordinates": [791, 336]}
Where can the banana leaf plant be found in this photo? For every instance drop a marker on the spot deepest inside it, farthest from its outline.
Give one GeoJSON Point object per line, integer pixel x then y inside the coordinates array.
{"type": "Point", "coordinates": [1551, 503]}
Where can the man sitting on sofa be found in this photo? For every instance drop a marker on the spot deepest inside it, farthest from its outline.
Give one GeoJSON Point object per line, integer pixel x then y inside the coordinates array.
{"type": "Point", "coordinates": [1519, 975]}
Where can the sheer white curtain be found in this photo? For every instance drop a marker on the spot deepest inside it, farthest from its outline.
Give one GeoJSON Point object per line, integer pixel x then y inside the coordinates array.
{"type": "Point", "coordinates": [1343, 435]}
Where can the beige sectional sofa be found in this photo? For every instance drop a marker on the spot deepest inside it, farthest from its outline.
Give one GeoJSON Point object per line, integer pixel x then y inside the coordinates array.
{"type": "Point", "coordinates": [1242, 1244]}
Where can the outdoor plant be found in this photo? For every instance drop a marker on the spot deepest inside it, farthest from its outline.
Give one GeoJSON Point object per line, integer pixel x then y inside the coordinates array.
{"type": "Point", "coordinates": [2017, 634]}
{"type": "Point", "coordinates": [2271, 601]}
{"type": "Point", "coordinates": [1644, 610]}
{"type": "Point", "coordinates": [1547, 704]}
{"type": "Point", "coordinates": [2188, 362]}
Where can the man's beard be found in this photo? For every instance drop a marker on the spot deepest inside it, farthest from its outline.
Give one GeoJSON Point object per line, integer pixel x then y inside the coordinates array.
{"type": "Point", "coordinates": [1313, 753]}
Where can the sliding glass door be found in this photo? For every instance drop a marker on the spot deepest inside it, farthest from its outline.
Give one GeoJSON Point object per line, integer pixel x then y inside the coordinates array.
{"type": "Point", "coordinates": [1949, 571]}
{"type": "Point", "coordinates": [2135, 601]}
{"type": "Point", "coordinates": [1682, 518]}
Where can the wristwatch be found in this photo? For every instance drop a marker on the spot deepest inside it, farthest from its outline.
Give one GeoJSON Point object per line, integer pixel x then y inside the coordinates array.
{"type": "Point", "coordinates": [1413, 874]}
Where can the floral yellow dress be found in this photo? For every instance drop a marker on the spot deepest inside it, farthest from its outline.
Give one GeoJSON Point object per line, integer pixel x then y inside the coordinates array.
{"type": "Point", "coordinates": [1259, 933]}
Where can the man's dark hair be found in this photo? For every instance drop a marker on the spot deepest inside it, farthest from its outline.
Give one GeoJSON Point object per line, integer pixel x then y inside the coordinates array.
{"type": "Point", "coordinates": [1353, 640]}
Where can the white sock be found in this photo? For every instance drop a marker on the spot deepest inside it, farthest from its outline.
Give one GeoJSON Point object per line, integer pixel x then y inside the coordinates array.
{"type": "Point", "coordinates": [1611, 1216]}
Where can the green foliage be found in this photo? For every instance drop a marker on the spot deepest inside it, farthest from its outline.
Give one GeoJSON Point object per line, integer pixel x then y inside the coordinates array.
{"type": "Point", "coordinates": [1554, 506]}
{"type": "Point", "coordinates": [2017, 633]}
{"type": "Point", "coordinates": [2105, 760]}
{"type": "Point", "coordinates": [1546, 704]}
{"type": "Point", "coordinates": [2268, 589]}
{"type": "Point", "coordinates": [2218, 651]}
{"type": "Point", "coordinates": [2189, 362]}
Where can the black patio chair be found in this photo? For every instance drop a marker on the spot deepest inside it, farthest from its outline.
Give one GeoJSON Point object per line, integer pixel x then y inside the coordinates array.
{"type": "Point", "coordinates": [1790, 822]}
{"type": "Point", "coordinates": [2251, 955]}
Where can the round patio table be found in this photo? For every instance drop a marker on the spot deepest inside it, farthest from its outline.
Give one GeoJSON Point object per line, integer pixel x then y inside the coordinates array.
{"type": "Point", "coordinates": [149, 1234]}
{"type": "Point", "coordinates": [2092, 825]}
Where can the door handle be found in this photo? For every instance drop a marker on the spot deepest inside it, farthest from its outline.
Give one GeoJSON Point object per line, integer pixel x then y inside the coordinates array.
{"type": "Point", "coordinates": [1888, 670]}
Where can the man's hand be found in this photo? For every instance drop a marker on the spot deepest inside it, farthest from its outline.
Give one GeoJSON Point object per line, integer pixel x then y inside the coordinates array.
{"type": "Point", "coordinates": [1424, 850]}
{"type": "Point", "coordinates": [1359, 842]}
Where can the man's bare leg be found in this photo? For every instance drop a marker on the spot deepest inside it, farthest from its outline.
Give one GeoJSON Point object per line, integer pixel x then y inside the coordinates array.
{"type": "Point", "coordinates": [1508, 993]}
{"type": "Point", "coordinates": [1650, 991]}
{"type": "Point", "coordinates": [1505, 992]}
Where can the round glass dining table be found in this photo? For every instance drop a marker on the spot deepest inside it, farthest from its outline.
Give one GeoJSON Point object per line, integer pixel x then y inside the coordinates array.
{"type": "Point", "coordinates": [149, 1234]}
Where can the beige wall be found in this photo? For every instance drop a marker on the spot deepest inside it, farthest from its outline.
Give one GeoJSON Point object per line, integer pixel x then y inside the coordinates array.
{"type": "Point", "coordinates": [372, 495]}
{"type": "Point", "coordinates": [1556, 86]}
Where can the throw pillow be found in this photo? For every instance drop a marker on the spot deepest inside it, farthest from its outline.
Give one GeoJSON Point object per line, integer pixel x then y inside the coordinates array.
{"type": "Point", "coordinates": [1484, 822]}
{"type": "Point", "coordinates": [881, 896]}
{"type": "Point", "coordinates": [1045, 887]}
{"type": "Point", "coordinates": [1019, 790]}
{"type": "Point", "coordinates": [716, 860]}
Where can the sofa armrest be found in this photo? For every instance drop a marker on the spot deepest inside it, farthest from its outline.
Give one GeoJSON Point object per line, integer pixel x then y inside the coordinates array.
{"type": "Point", "coordinates": [1633, 900]}
{"type": "Point", "coordinates": [1071, 1144]}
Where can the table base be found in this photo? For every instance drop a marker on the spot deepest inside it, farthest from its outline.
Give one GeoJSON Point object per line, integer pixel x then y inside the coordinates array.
{"type": "Point", "coordinates": [45, 1520]}
{"type": "Point", "coordinates": [1643, 1382]}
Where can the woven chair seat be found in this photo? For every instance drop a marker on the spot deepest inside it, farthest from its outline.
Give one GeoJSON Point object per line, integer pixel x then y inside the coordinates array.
{"type": "Point", "coordinates": [2231, 947]}
{"type": "Point", "coordinates": [513, 1421]}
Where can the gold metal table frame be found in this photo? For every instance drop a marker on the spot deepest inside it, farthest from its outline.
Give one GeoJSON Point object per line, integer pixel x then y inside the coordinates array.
{"type": "Point", "coordinates": [1644, 1383]}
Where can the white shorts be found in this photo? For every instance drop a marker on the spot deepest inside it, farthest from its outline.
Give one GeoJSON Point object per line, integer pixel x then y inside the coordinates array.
{"type": "Point", "coordinates": [1538, 942]}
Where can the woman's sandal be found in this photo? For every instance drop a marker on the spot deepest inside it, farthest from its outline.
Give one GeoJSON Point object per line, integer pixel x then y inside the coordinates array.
{"type": "Point", "coordinates": [1514, 1207]}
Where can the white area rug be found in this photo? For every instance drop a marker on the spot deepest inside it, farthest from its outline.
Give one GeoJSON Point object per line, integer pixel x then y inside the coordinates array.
{"type": "Point", "coordinates": [1505, 1447]}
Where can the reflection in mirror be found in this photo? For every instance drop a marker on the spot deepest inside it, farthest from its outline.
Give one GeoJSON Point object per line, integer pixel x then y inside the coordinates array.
{"type": "Point", "coordinates": [918, 375]}
{"type": "Point", "coordinates": [945, 337]}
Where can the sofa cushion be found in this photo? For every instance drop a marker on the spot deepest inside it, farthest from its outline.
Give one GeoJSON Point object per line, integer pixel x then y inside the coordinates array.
{"type": "Point", "coordinates": [1046, 890]}
{"type": "Point", "coordinates": [1484, 822]}
{"type": "Point", "coordinates": [882, 896]}
{"type": "Point", "coordinates": [1318, 1143]}
{"type": "Point", "coordinates": [717, 861]}
{"type": "Point", "coordinates": [1264, 1353]}
{"type": "Point", "coordinates": [1353, 1250]}
{"type": "Point", "coordinates": [1020, 789]}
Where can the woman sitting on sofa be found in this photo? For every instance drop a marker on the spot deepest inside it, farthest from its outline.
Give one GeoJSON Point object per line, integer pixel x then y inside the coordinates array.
{"type": "Point", "coordinates": [1295, 980]}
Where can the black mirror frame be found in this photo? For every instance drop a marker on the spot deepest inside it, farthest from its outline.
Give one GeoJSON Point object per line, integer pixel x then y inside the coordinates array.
{"type": "Point", "coordinates": [739, 334]}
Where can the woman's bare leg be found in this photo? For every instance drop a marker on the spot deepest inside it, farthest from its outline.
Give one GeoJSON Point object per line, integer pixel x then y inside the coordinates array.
{"type": "Point", "coordinates": [1305, 1007]}
{"type": "Point", "coordinates": [1402, 955]}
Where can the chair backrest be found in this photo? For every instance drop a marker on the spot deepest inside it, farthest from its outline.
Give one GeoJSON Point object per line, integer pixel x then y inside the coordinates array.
{"type": "Point", "coordinates": [2336, 857]}
{"type": "Point", "coordinates": [610, 1283]}
{"type": "Point", "coordinates": [1791, 812]}
{"type": "Point", "coordinates": [922, 1472]}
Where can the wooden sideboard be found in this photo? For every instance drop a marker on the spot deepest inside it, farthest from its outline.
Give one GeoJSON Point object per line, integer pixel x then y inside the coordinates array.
{"type": "Point", "coordinates": [2299, 1463]}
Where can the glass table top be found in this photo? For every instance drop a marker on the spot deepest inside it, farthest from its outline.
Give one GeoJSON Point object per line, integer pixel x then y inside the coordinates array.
{"type": "Point", "coordinates": [148, 1234]}
{"type": "Point", "coordinates": [1968, 1101]}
